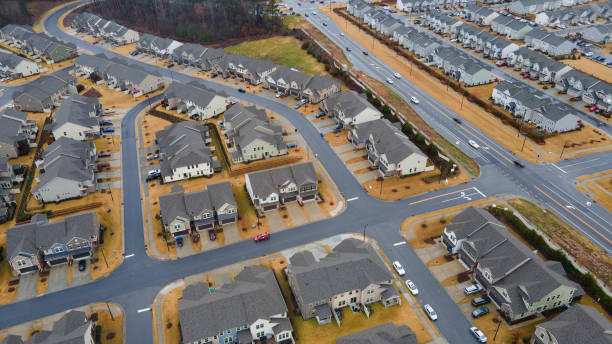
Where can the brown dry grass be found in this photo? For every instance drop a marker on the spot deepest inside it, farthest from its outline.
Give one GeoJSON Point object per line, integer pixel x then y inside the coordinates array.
{"type": "Point", "coordinates": [588, 66]}
{"type": "Point", "coordinates": [170, 316]}
{"type": "Point", "coordinates": [112, 99]}
{"type": "Point", "coordinates": [595, 188]}
{"type": "Point", "coordinates": [111, 327]}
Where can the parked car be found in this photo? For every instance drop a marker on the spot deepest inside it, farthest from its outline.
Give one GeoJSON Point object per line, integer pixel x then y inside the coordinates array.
{"type": "Point", "coordinates": [474, 144]}
{"type": "Point", "coordinates": [478, 334]}
{"type": "Point", "coordinates": [593, 108]}
{"type": "Point", "coordinates": [170, 65]}
{"type": "Point", "coordinates": [261, 237]}
{"type": "Point", "coordinates": [154, 172]}
{"type": "Point", "coordinates": [526, 76]}
{"type": "Point", "coordinates": [108, 130]}
{"type": "Point", "coordinates": [478, 312]}
{"type": "Point", "coordinates": [473, 289]}
{"type": "Point", "coordinates": [414, 100]}
{"type": "Point", "coordinates": [320, 114]}
{"type": "Point", "coordinates": [486, 56]}
{"type": "Point", "coordinates": [412, 287]}
{"type": "Point", "coordinates": [348, 49]}
{"type": "Point", "coordinates": [106, 123]}
{"type": "Point", "coordinates": [104, 154]}
{"type": "Point", "coordinates": [458, 120]}
{"type": "Point", "coordinates": [151, 177]}
{"type": "Point", "coordinates": [501, 63]}
{"type": "Point", "coordinates": [152, 157]}
{"type": "Point", "coordinates": [134, 53]}
{"type": "Point", "coordinates": [213, 75]}
{"type": "Point", "coordinates": [342, 34]}
{"type": "Point", "coordinates": [179, 242]}
{"type": "Point", "coordinates": [82, 265]}
{"type": "Point", "coordinates": [588, 54]}
{"type": "Point", "coordinates": [481, 300]}
{"type": "Point", "coordinates": [278, 95]}
{"type": "Point", "coordinates": [365, 53]}
{"type": "Point", "coordinates": [241, 90]}
{"type": "Point", "coordinates": [598, 111]}
{"type": "Point", "coordinates": [211, 235]}
{"type": "Point", "coordinates": [103, 165]}
{"type": "Point", "coordinates": [324, 24]}
{"type": "Point", "coordinates": [398, 267]}
{"type": "Point", "coordinates": [430, 312]}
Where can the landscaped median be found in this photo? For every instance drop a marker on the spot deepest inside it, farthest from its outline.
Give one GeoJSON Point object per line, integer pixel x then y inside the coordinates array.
{"type": "Point", "coordinates": [176, 302]}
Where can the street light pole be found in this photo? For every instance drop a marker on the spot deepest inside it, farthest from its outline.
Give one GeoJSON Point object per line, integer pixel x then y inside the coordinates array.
{"type": "Point", "coordinates": [563, 150]}
{"type": "Point", "coordinates": [364, 231]}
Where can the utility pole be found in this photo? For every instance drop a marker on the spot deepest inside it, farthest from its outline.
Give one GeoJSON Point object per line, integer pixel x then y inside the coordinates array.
{"type": "Point", "coordinates": [497, 329]}
{"type": "Point", "coordinates": [462, 99]}
{"type": "Point", "coordinates": [104, 256]}
{"type": "Point", "coordinates": [563, 149]}
{"type": "Point", "coordinates": [524, 139]}
{"type": "Point", "coordinates": [364, 231]}
{"type": "Point", "coordinates": [109, 311]}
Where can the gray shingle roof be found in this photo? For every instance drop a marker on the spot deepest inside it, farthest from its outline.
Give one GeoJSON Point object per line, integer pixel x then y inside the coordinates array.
{"type": "Point", "coordinates": [71, 328]}
{"type": "Point", "coordinates": [186, 205]}
{"type": "Point", "coordinates": [579, 324]}
{"type": "Point", "coordinates": [183, 144]}
{"type": "Point", "coordinates": [265, 182]}
{"type": "Point", "coordinates": [77, 109]}
{"type": "Point", "coordinates": [253, 295]}
{"type": "Point", "coordinates": [246, 124]}
{"type": "Point", "coordinates": [352, 265]}
{"type": "Point", "coordinates": [11, 123]}
{"type": "Point", "coordinates": [350, 103]}
{"type": "Point", "coordinates": [192, 92]}
{"type": "Point", "coordinates": [386, 333]}
{"type": "Point", "coordinates": [387, 139]}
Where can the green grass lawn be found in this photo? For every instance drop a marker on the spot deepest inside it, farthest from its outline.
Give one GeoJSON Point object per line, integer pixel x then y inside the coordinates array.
{"type": "Point", "coordinates": [284, 51]}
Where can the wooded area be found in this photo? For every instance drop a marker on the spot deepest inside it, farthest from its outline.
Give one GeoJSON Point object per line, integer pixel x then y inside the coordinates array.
{"type": "Point", "coordinates": [23, 11]}
{"type": "Point", "coordinates": [193, 20]}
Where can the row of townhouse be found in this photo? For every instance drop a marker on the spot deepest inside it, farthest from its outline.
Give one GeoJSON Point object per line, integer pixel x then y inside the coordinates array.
{"type": "Point", "coordinates": [41, 244]}
{"type": "Point", "coordinates": [524, 7]}
{"type": "Point", "coordinates": [461, 66]}
{"type": "Point", "coordinates": [160, 47]}
{"type": "Point", "coordinates": [389, 149]}
{"type": "Point", "coordinates": [105, 29]}
{"type": "Point", "coordinates": [250, 134]}
{"type": "Point", "coordinates": [46, 92]}
{"type": "Point", "coordinates": [10, 175]}
{"type": "Point", "coordinates": [17, 133]}
{"type": "Point", "coordinates": [519, 282]}
{"type": "Point", "coordinates": [290, 81]}
{"type": "Point", "coordinates": [73, 327]}
{"type": "Point", "coordinates": [196, 55]}
{"type": "Point", "coordinates": [38, 45]}
{"type": "Point", "coordinates": [184, 214]}
{"type": "Point", "coordinates": [578, 324]}
{"type": "Point", "coordinates": [67, 170]}
{"type": "Point", "coordinates": [548, 43]}
{"type": "Point", "coordinates": [183, 152]}
{"type": "Point", "coordinates": [479, 14]}
{"type": "Point", "coordinates": [195, 100]}
{"type": "Point", "coordinates": [15, 67]}
{"type": "Point", "coordinates": [538, 66]}
{"type": "Point", "coordinates": [535, 107]}
{"type": "Point", "coordinates": [510, 27]}
{"type": "Point", "coordinates": [601, 33]}
{"type": "Point", "coordinates": [77, 118]}
{"type": "Point", "coordinates": [430, 5]}
{"type": "Point", "coordinates": [269, 189]}
{"type": "Point", "coordinates": [573, 16]}
{"type": "Point", "coordinates": [116, 75]}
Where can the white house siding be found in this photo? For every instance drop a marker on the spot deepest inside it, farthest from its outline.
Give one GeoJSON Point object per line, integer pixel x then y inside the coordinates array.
{"type": "Point", "coordinates": [184, 172]}
{"type": "Point", "coordinates": [58, 189]}
{"type": "Point", "coordinates": [74, 131]}
{"type": "Point", "coordinates": [415, 163]}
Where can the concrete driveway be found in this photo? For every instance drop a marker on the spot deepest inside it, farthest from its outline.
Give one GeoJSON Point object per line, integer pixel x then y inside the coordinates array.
{"type": "Point", "coordinates": [296, 213]}
{"type": "Point", "coordinates": [314, 211]}
{"type": "Point", "coordinates": [27, 287]}
{"type": "Point", "coordinates": [80, 277]}
{"type": "Point", "coordinates": [360, 165]}
{"type": "Point", "coordinates": [187, 249]}
{"type": "Point", "coordinates": [275, 221]}
{"type": "Point", "coordinates": [364, 177]}
{"type": "Point", "coordinates": [58, 278]}
{"type": "Point", "coordinates": [230, 234]}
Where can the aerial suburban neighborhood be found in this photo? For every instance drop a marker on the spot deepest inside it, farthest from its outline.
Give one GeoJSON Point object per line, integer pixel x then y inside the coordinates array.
{"type": "Point", "coordinates": [306, 171]}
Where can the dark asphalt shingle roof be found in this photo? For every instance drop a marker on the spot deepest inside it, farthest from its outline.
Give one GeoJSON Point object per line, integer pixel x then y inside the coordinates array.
{"type": "Point", "coordinates": [386, 333]}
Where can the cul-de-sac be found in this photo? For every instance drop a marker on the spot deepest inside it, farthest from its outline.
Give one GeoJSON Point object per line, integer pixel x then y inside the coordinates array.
{"type": "Point", "coordinates": [305, 171]}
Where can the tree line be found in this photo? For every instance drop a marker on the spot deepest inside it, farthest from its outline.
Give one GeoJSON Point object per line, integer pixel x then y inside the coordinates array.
{"type": "Point", "coordinates": [22, 11]}
{"type": "Point", "coordinates": [193, 20]}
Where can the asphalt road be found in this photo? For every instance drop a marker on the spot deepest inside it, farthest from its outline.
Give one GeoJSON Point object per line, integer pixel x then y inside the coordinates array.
{"type": "Point", "coordinates": [135, 283]}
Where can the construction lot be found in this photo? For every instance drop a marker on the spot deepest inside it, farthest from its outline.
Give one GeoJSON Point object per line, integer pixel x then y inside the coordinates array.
{"type": "Point", "coordinates": [248, 225]}
{"type": "Point", "coordinates": [165, 308]}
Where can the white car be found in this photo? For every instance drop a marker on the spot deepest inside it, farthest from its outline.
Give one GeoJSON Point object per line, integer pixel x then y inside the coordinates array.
{"type": "Point", "coordinates": [414, 100]}
{"type": "Point", "coordinates": [473, 289]}
{"type": "Point", "coordinates": [397, 75]}
{"type": "Point", "coordinates": [314, 13]}
{"type": "Point", "coordinates": [278, 95]}
{"type": "Point", "coordinates": [154, 172]}
{"type": "Point", "coordinates": [389, 81]}
{"type": "Point", "coordinates": [398, 267]}
{"type": "Point", "coordinates": [474, 144]}
{"type": "Point", "coordinates": [10, 105]}
{"type": "Point", "coordinates": [589, 54]}
{"type": "Point", "coordinates": [478, 334]}
{"type": "Point", "coordinates": [412, 287]}
{"type": "Point", "coordinates": [430, 312]}
{"type": "Point", "coordinates": [342, 34]}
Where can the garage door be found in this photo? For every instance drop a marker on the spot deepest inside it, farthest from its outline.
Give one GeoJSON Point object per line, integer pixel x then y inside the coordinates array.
{"type": "Point", "coordinates": [290, 199]}
{"type": "Point", "coordinates": [205, 226]}
{"type": "Point", "coordinates": [307, 198]}
{"type": "Point", "coordinates": [228, 221]}
{"type": "Point", "coordinates": [59, 261]}
{"type": "Point", "coordinates": [269, 207]}
{"type": "Point", "coordinates": [28, 269]}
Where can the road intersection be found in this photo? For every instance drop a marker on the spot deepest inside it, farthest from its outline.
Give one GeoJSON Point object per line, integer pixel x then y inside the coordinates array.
{"type": "Point", "coordinates": [139, 278]}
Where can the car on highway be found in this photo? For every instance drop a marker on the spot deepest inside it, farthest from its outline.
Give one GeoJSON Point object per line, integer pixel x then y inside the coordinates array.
{"type": "Point", "coordinates": [389, 80]}
{"type": "Point", "coordinates": [472, 289]}
{"type": "Point", "coordinates": [458, 120]}
{"type": "Point", "coordinates": [241, 90]}
{"type": "Point", "coordinates": [365, 53]}
{"type": "Point", "coordinates": [348, 49]}
{"type": "Point", "coordinates": [342, 34]}
{"type": "Point", "coordinates": [10, 106]}
{"type": "Point", "coordinates": [481, 300]}
{"type": "Point", "coordinates": [478, 312]}
{"type": "Point", "coordinates": [478, 334]}
{"type": "Point", "coordinates": [306, 15]}
{"type": "Point", "coordinates": [414, 100]}
{"type": "Point", "coordinates": [474, 144]}
{"type": "Point", "coordinates": [82, 265]}
{"type": "Point", "coordinates": [398, 267]}
{"type": "Point", "coordinates": [430, 312]}
{"type": "Point", "coordinates": [519, 163]}
{"type": "Point", "coordinates": [397, 75]}
{"type": "Point", "coordinates": [324, 24]}
{"type": "Point", "coordinates": [261, 237]}
{"type": "Point", "coordinates": [154, 172]}
{"type": "Point", "coordinates": [412, 287]}
{"type": "Point", "coordinates": [314, 13]}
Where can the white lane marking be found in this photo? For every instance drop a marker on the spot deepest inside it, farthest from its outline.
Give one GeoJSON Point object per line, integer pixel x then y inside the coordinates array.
{"type": "Point", "coordinates": [352, 199]}
{"type": "Point", "coordinates": [399, 243]}
{"type": "Point", "coordinates": [584, 213]}
{"type": "Point", "coordinates": [579, 163]}
{"type": "Point", "coordinates": [130, 255]}
{"type": "Point", "coordinates": [144, 310]}
{"type": "Point", "coordinates": [559, 168]}
{"type": "Point", "coordinates": [483, 195]}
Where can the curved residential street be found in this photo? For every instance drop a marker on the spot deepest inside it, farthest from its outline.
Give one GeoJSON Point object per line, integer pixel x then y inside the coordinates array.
{"type": "Point", "coordinates": [139, 278]}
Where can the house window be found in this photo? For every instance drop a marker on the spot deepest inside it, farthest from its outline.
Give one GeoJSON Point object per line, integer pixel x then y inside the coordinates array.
{"type": "Point", "coordinates": [21, 262]}
{"type": "Point", "coordinates": [58, 250]}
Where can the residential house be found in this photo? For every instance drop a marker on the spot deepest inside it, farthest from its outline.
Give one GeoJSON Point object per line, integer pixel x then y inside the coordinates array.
{"type": "Point", "coordinates": [269, 188]}
{"type": "Point", "coordinates": [350, 108]}
{"type": "Point", "coordinates": [590, 89]}
{"type": "Point", "coordinates": [41, 244]}
{"type": "Point", "coordinates": [133, 79]}
{"type": "Point", "coordinates": [48, 49]}
{"type": "Point", "coordinates": [100, 27]}
{"type": "Point", "coordinates": [556, 117]}
{"type": "Point", "coordinates": [520, 284]}
{"type": "Point", "coordinates": [248, 310]}
{"type": "Point", "coordinates": [358, 7]}
{"type": "Point", "coordinates": [15, 67]}
{"type": "Point", "coordinates": [90, 65]}
{"type": "Point", "coordinates": [199, 211]}
{"type": "Point", "coordinates": [319, 88]}
{"type": "Point", "coordinates": [578, 324]}
{"type": "Point", "coordinates": [315, 88]}
{"type": "Point", "coordinates": [7, 193]}
{"type": "Point", "coordinates": [389, 148]}
{"type": "Point", "coordinates": [72, 327]}
{"type": "Point", "coordinates": [386, 333]}
{"type": "Point", "coordinates": [251, 136]}
{"type": "Point", "coordinates": [554, 45]}
{"type": "Point", "coordinates": [479, 14]}
{"type": "Point", "coordinates": [66, 171]}
{"type": "Point", "coordinates": [598, 33]}
{"type": "Point", "coordinates": [157, 46]}
{"type": "Point", "coordinates": [183, 152]}
{"type": "Point", "coordinates": [524, 7]}
{"type": "Point", "coordinates": [197, 56]}
{"type": "Point", "coordinates": [352, 275]}
{"type": "Point", "coordinates": [16, 133]}
{"type": "Point", "coordinates": [46, 92]}
{"type": "Point", "coordinates": [195, 100]}
{"type": "Point", "coordinates": [77, 118]}
{"type": "Point", "coordinates": [255, 71]}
